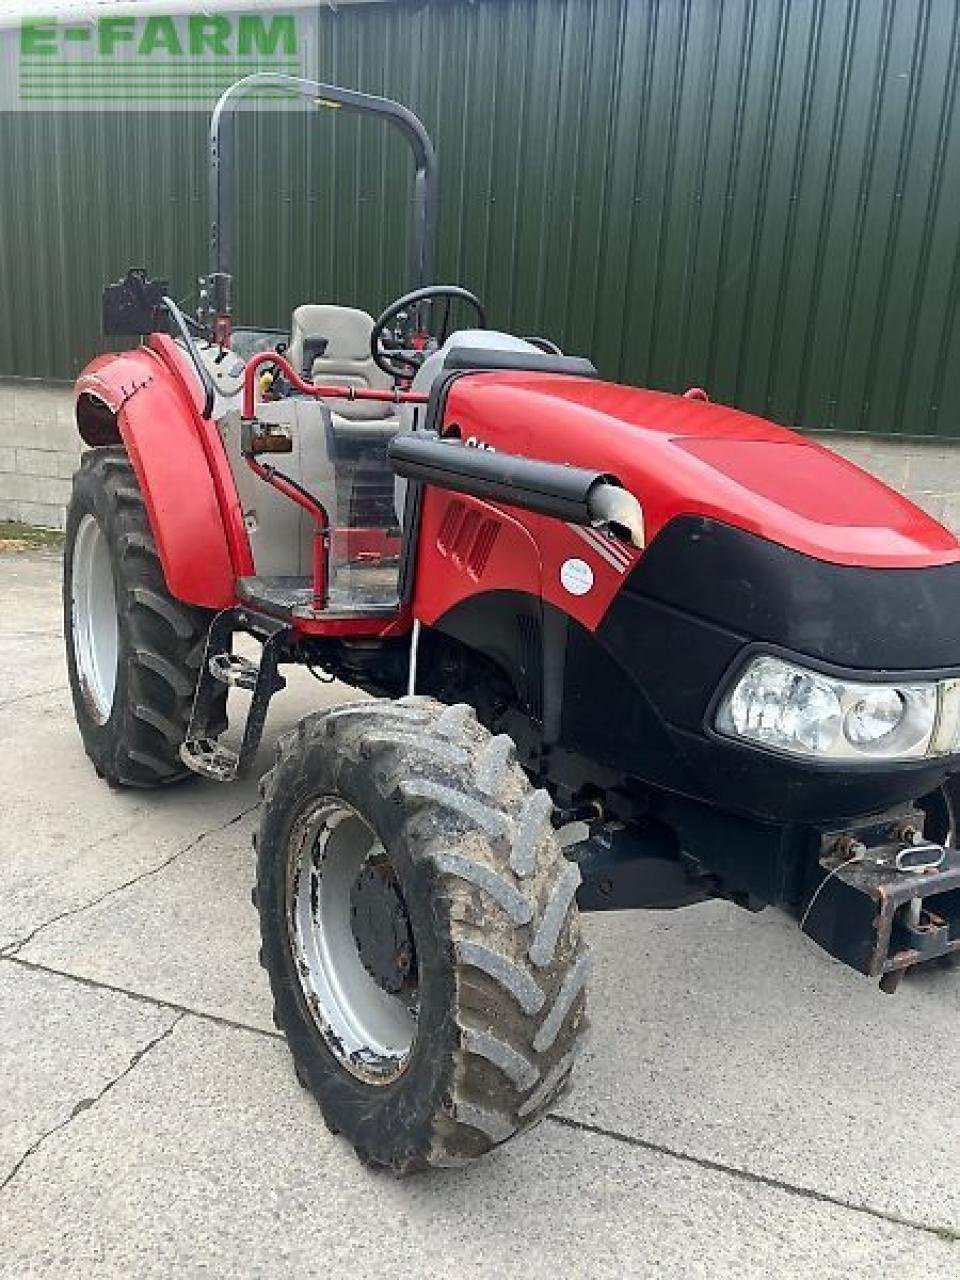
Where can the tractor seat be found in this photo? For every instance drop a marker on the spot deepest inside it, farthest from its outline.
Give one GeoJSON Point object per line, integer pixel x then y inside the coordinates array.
{"type": "Point", "coordinates": [332, 344]}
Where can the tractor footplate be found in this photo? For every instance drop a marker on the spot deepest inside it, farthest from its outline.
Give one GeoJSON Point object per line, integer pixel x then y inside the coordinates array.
{"type": "Point", "coordinates": [207, 758]}
{"type": "Point", "coordinates": [889, 909]}
{"type": "Point", "coordinates": [232, 670]}
{"type": "Point", "coordinates": [201, 751]}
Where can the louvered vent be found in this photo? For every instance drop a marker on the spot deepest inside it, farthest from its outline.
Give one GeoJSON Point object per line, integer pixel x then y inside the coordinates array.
{"type": "Point", "coordinates": [449, 526]}
{"type": "Point", "coordinates": [483, 544]}
{"type": "Point", "coordinates": [463, 541]}
{"type": "Point", "coordinates": [467, 538]}
{"type": "Point", "coordinates": [530, 652]}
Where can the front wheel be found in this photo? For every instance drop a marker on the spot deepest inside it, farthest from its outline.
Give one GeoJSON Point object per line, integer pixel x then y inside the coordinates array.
{"type": "Point", "coordinates": [419, 930]}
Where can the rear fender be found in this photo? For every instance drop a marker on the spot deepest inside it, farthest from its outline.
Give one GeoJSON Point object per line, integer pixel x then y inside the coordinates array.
{"type": "Point", "coordinates": [141, 399]}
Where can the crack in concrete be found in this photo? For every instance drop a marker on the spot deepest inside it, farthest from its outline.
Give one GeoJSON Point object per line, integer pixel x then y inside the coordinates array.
{"type": "Point", "coordinates": [14, 948]}
{"type": "Point", "coordinates": [946, 1233]}
{"type": "Point", "coordinates": [155, 1002]}
{"type": "Point", "coordinates": [86, 1103]}
{"type": "Point", "coordinates": [37, 693]}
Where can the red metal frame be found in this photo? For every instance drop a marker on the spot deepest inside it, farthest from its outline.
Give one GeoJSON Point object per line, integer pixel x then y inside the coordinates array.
{"type": "Point", "coordinates": [187, 485]}
{"type": "Point", "coordinates": [318, 391]}
{"type": "Point", "coordinates": [321, 523]}
{"type": "Point", "coordinates": [282, 483]}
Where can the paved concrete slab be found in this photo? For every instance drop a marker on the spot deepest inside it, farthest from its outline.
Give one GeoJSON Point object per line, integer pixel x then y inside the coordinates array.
{"type": "Point", "coordinates": [187, 934]}
{"type": "Point", "coordinates": [32, 666]}
{"type": "Point", "coordinates": [60, 1045]}
{"type": "Point", "coordinates": [734, 1038]}
{"type": "Point", "coordinates": [66, 838]}
{"type": "Point", "coordinates": [209, 1159]}
{"type": "Point", "coordinates": [31, 580]}
{"type": "Point", "coordinates": [31, 645]}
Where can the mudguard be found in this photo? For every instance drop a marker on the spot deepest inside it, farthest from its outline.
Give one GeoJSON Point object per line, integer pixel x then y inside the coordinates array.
{"type": "Point", "coordinates": [145, 399]}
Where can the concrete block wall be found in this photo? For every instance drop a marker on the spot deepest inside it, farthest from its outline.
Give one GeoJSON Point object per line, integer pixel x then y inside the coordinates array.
{"type": "Point", "coordinates": [40, 450]}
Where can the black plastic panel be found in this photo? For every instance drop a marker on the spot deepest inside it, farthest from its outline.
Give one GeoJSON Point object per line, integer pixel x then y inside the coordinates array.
{"type": "Point", "coordinates": [872, 619]}
{"type": "Point", "coordinates": [484, 358]}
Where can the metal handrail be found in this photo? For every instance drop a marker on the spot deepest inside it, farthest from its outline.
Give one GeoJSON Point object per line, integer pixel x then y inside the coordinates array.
{"type": "Point", "coordinates": [320, 391]}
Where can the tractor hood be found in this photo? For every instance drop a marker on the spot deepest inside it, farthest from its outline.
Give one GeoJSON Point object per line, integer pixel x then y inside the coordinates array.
{"type": "Point", "coordinates": [758, 541]}
{"type": "Point", "coordinates": [685, 457]}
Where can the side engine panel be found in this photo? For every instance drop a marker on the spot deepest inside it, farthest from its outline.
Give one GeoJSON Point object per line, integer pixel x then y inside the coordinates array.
{"type": "Point", "coordinates": [468, 547]}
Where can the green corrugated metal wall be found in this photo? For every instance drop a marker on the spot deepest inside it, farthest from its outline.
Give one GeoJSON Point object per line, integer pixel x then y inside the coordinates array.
{"type": "Point", "coordinates": [759, 196]}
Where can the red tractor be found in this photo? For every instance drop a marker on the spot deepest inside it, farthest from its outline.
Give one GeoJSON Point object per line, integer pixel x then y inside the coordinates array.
{"type": "Point", "coordinates": [625, 650]}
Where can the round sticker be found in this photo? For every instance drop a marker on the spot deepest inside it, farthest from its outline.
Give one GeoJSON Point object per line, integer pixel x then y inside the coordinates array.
{"type": "Point", "coordinates": [576, 576]}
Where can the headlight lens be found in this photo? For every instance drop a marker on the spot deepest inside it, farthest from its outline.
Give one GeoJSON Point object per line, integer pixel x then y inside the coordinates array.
{"type": "Point", "coordinates": [789, 708]}
{"type": "Point", "coordinates": [782, 706]}
{"type": "Point", "coordinates": [874, 717]}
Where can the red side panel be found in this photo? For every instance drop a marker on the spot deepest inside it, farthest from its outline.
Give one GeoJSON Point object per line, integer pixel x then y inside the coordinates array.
{"type": "Point", "coordinates": [467, 547]}
{"type": "Point", "coordinates": [608, 561]}
{"type": "Point", "coordinates": [161, 430]}
{"type": "Point", "coordinates": [227, 497]}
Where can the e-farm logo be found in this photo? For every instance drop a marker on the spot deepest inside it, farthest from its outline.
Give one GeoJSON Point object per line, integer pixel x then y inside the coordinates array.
{"type": "Point", "coordinates": [182, 60]}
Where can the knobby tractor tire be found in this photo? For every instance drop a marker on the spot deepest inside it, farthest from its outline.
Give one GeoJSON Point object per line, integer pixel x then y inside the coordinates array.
{"type": "Point", "coordinates": [491, 901]}
{"type": "Point", "coordinates": [160, 642]}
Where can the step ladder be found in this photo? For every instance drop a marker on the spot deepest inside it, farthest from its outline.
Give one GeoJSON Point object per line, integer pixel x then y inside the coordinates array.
{"type": "Point", "coordinates": [202, 752]}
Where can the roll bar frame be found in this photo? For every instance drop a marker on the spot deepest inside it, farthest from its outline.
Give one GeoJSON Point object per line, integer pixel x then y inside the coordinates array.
{"type": "Point", "coordinates": [217, 295]}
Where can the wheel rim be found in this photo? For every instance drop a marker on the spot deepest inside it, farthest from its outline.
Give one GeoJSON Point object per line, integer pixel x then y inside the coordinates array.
{"type": "Point", "coordinates": [369, 1031]}
{"type": "Point", "coordinates": [94, 609]}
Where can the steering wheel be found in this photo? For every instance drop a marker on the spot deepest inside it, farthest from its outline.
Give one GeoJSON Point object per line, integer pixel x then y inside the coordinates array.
{"type": "Point", "coordinates": [394, 329]}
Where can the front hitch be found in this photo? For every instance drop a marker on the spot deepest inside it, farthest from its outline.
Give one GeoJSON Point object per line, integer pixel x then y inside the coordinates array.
{"type": "Point", "coordinates": [883, 908]}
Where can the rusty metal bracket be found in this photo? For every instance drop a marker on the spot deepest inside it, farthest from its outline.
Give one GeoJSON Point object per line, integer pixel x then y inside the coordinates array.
{"type": "Point", "coordinates": [886, 907]}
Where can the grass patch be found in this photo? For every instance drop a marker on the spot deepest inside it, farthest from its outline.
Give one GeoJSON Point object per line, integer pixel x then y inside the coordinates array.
{"type": "Point", "coordinates": [24, 537]}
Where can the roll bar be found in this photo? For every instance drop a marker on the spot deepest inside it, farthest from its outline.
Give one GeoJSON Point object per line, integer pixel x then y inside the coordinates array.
{"type": "Point", "coordinates": [217, 301]}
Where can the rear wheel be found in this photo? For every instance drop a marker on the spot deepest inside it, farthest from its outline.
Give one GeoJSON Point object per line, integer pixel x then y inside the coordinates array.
{"type": "Point", "coordinates": [133, 651]}
{"type": "Point", "coordinates": [419, 930]}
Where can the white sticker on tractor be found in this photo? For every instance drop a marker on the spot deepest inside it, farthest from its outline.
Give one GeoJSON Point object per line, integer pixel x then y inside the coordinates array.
{"type": "Point", "coordinates": [576, 576]}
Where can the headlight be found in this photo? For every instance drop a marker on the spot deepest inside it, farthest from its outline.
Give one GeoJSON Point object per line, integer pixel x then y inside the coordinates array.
{"type": "Point", "coordinates": [789, 708]}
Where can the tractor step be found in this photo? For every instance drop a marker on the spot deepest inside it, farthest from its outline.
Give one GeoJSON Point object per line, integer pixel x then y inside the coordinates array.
{"type": "Point", "coordinates": [202, 751]}
{"type": "Point", "coordinates": [206, 757]}
{"type": "Point", "coordinates": [283, 596]}
{"type": "Point", "coordinates": [235, 671]}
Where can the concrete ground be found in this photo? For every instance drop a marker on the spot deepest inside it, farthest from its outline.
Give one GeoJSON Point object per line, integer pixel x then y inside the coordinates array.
{"type": "Point", "coordinates": [745, 1108]}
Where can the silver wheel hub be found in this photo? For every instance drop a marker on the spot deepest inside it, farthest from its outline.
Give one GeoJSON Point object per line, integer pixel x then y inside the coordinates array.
{"type": "Point", "coordinates": [94, 611]}
{"type": "Point", "coordinates": [369, 1030]}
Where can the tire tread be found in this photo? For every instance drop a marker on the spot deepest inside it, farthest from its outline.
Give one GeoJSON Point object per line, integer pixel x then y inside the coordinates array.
{"type": "Point", "coordinates": [469, 812]}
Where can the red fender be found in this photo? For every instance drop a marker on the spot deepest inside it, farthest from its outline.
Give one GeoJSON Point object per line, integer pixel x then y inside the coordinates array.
{"type": "Point", "coordinates": [146, 399]}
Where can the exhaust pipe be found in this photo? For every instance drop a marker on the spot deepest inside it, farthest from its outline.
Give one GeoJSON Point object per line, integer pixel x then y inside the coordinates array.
{"type": "Point", "coordinates": [612, 505]}
{"type": "Point", "coordinates": [574, 494]}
